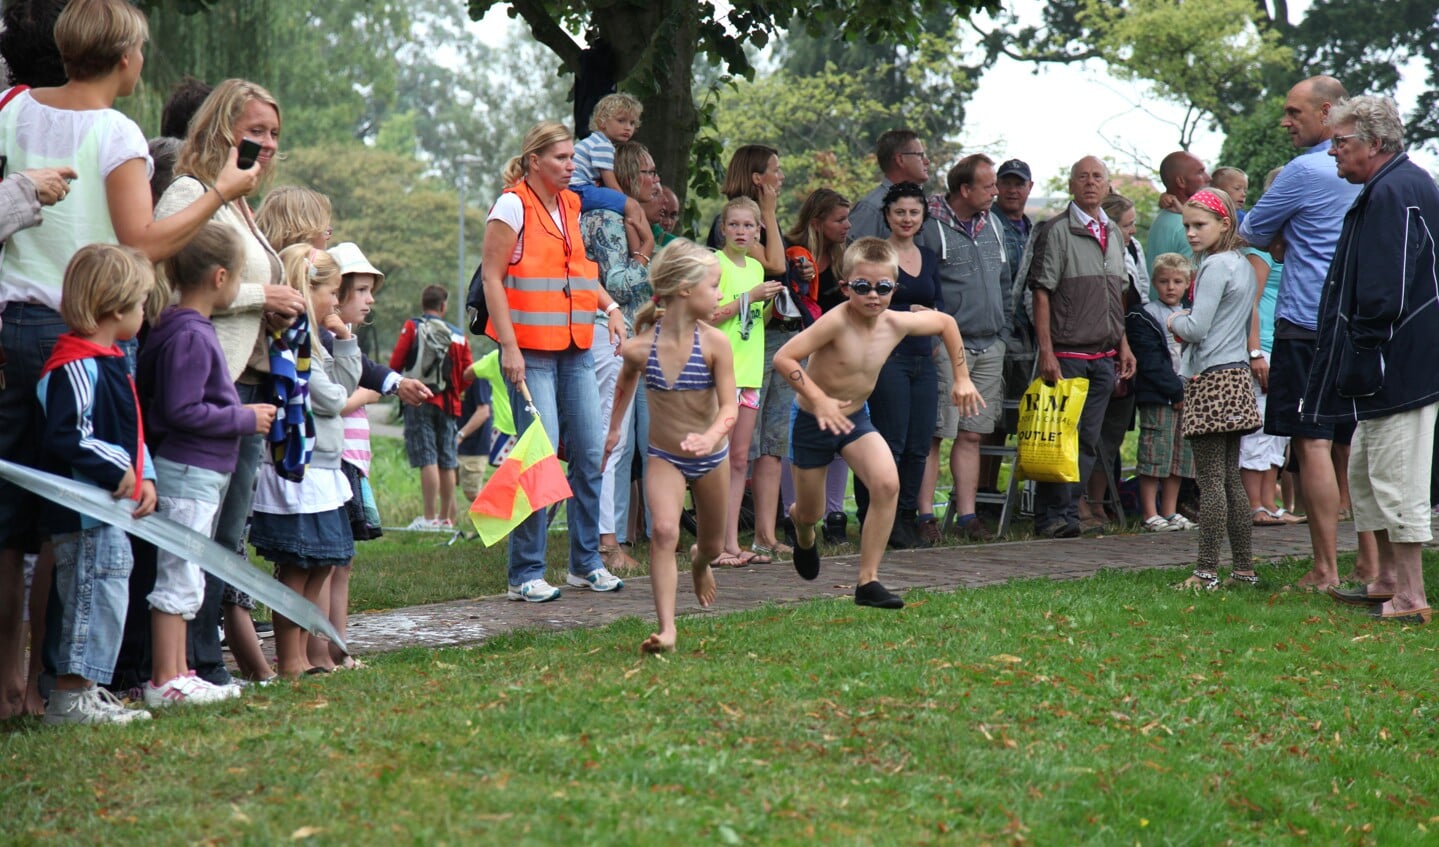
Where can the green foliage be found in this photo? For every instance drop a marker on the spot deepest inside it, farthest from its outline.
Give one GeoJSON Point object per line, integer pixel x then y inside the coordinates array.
{"type": "Point", "coordinates": [405, 222]}
{"type": "Point", "coordinates": [1255, 143]}
{"type": "Point", "coordinates": [1206, 55]}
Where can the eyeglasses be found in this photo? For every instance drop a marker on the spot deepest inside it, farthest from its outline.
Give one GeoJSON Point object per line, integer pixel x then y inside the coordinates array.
{"type": "Point", "coordinates": [863, 287]}
{"type": "Point", "coordinates": [921, 154]}
{"type": "Point", "coordinates": [1342, 140]}
{"type": "Point", "coordinates": [668, 216]}
{"type": "Point", "coordinates": [650, 172]}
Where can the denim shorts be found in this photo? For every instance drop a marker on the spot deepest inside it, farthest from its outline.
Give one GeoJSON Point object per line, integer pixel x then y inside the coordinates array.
{"type": "Point", "coordinates": [92, 579]}
{"type": "Point", "coordinates": [812, 447]}
{"type": "Point", "coordinates": [430, 437]}
{"type": "Point", "coordinates": [27, 336]}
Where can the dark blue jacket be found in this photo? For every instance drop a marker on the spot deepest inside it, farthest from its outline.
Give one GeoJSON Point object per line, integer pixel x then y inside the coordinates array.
{"type": "Point", "coordinates": [1155, 382]}
{"type": "Point", "coordinates": [1379, 313]}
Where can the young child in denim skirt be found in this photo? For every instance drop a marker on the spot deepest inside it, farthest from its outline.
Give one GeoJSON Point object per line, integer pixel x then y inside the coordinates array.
{"type": "Point", "coordinates": [93, 428]}
{"type": "Point", "coordinates": [195, 421]}
{"type": "Point", "coordinates": [301, 525]}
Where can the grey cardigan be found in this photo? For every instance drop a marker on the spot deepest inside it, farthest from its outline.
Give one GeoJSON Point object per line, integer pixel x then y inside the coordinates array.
{"type": "Point", "coordinates": [1216, 329]}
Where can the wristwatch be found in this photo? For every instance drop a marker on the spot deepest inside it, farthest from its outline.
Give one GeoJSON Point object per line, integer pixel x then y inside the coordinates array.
{"type": "Point", "coordinates": [1256, 353]}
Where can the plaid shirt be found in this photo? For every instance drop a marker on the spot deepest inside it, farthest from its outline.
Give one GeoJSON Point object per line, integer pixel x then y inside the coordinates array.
{"type": "Point", "coordinates": [940, 210]}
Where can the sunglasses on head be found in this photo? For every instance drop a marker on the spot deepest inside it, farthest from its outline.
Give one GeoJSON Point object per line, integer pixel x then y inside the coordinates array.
{"type": "Point", "coordinates": [864, 286]}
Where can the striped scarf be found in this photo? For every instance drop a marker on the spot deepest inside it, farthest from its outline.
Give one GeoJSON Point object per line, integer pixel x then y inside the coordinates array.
{"type": "Point", "coordinates": [292, 436]}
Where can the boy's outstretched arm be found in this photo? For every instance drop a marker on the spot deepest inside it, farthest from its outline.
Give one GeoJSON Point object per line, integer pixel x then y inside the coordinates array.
{"type": "Point", "coordinates": [965, 397]}
{"type": "Point", "coordinates": [818, 335]}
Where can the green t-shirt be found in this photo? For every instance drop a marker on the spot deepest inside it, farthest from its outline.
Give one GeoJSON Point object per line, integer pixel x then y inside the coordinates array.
{"type": "Point", "coordinates": [488, 368]}
{"type": "Point", "coordinates": [748, 351]}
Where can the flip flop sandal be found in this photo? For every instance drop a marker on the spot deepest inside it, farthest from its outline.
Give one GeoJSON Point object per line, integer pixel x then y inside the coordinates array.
{"type": "Point", "coordinates": [1264, 517]}
{"type": "Point", "coordinates": [730, 560]}
{"type": "Point", "coordinates": [757, 556]}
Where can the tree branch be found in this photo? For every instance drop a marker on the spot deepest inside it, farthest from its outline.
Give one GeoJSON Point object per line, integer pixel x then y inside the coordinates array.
{"type": "Point", "coordinates": [996, 45]}
{"type": "Point", "coordinates": [549, 33]}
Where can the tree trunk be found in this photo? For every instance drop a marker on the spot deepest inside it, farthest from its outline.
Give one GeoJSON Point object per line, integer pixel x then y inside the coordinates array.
{"type": "Point", "coordinates": [655, 45]}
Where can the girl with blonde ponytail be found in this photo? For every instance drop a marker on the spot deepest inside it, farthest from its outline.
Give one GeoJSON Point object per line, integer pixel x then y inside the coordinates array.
{"type": "Point", "coordinates": [691, 415]}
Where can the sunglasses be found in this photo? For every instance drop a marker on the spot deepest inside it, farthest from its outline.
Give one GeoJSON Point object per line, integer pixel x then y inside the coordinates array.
{"type": "Point", "coordinates": [864, 286]}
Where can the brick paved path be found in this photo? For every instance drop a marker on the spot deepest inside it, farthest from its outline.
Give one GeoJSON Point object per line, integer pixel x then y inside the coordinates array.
{"type": "Point", "coordinates": [948, 568]}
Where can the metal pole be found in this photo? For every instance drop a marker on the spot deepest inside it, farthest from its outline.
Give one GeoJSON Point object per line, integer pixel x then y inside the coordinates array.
{"type": "Point", "coordinates": [460, 274]}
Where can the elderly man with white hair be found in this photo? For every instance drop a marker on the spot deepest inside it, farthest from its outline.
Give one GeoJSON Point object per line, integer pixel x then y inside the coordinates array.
{"type": "Point", "coordinates": [1374, 360]}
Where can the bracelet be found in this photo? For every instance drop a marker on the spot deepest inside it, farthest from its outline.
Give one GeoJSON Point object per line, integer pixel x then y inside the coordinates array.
{"type": "Point", "coordinates": [613, 306]}
{"type": "Point", "coordinates": [209, 187]}
{"type": "Point", "coordinates": [642, 256]}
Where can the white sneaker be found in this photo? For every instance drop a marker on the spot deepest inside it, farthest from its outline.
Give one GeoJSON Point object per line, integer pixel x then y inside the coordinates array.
{"type": "Point", "coordinates": [1179, 521]}
{"type": "Point", "coordinates": [1158, 524]}
{"type": "Point", "coordinates": [598, 579]}
{"type": "Point", "coordinates": [93, 705]}
{"type": "Point", "coordinates": [534, 591]}
{"type": "Point", "coordinates": [421, 524]}
{"type": "Point", "coordinates": [188, 689]}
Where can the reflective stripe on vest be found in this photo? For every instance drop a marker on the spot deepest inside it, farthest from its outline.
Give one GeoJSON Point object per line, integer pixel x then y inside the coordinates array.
{"type": "Point", "coordinates": [548, 311]}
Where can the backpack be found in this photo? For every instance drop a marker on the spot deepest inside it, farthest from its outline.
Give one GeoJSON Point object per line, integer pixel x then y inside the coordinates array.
{"type": "Point", "coordinates": [476, 309]}
{"type": "Point", "coordinates": [429, 358]}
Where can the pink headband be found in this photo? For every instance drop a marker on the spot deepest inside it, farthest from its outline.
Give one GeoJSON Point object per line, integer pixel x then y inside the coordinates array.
{"type": "Point", "coordinates": [1209, 200]}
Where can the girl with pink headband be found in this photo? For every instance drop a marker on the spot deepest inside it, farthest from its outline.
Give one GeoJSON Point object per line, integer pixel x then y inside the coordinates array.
{"type": "Point", "coordinates": [1219, 403]}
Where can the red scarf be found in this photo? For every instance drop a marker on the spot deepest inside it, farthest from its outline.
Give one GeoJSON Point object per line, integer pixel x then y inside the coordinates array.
{"type": "Point", "coordinates": [72, 348]}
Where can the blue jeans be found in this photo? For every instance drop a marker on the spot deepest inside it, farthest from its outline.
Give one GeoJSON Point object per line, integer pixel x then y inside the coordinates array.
{"type": "Point", "coordinates": [567, 397]}
{"type": "Point", "coordinates": [28, 336]}
{"type": "Point", "coordinates": [1057, 503]}
{"type": "Point", "coordinates": [903, 408]}
{"type": "Point", "coordinates": [639, 434]}
{"type": "Point", "coordinates": [92, 577]}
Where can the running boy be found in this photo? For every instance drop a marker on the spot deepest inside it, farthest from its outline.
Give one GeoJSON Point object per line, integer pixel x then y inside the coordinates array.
{"type": "Point", "coordinates": [614, 121]}
{"type": "Point", "coordinates": [92, 426]}
{"type": "Point", "coordinates": [846, 348]}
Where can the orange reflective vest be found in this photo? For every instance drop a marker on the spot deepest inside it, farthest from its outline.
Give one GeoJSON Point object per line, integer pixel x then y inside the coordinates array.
{"type": "Point", "coordinates": [554, 288]}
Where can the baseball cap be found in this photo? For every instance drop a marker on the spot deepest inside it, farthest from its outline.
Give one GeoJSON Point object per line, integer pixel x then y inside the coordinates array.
{"type": "Point", "coordinates": [1014, 167]}
{"type": "Point", "coordinates": [351, 261]}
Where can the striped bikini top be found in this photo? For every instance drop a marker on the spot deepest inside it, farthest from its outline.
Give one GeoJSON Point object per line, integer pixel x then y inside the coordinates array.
{"type": "Point", "coordinates": [695, 376]}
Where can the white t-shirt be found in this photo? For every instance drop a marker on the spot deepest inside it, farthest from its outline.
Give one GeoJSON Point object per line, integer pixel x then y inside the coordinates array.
{"type": "Point", "coordinates": [94, 142]}
{"type": "Point", "coordinates": [510, 209]}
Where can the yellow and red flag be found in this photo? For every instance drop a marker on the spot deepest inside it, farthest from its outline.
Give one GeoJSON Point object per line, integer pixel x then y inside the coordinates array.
{"type": "Point", "coordinates": [530, 479]}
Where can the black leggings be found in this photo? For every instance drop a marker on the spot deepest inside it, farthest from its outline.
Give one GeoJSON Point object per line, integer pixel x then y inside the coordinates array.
{"type": "Point", "coordinates": [1223, 505]}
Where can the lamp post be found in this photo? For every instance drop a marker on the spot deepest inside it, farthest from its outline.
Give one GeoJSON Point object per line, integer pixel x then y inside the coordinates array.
{"type": "Point", "coordinates": [461, 280]}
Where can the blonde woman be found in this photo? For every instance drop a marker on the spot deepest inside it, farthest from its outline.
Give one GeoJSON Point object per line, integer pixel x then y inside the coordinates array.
{"type": "Point", "coordinates": [544, 336]}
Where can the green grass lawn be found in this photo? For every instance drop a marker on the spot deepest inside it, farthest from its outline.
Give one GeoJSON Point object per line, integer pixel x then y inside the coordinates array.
{"type": "Point", "coordinates": [1110, 710]}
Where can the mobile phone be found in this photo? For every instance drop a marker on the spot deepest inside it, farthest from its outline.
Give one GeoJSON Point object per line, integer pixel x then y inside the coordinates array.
{"type": "Point", "coordinates": [249, 152]}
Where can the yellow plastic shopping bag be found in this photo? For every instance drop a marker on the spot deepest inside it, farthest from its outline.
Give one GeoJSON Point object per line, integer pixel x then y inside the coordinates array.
{"type": "Point", "coordinates": [1049, 430]}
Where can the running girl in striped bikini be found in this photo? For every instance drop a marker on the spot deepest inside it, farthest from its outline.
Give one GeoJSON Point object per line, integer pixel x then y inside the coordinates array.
{"type": "Point", "coordinates": [688, 369]}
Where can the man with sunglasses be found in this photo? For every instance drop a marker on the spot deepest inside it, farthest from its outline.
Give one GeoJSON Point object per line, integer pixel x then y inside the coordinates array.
{"type": "Point", "coordinates": [1074, 266]}
{"type": "Point", "coordinates": [845, 348]}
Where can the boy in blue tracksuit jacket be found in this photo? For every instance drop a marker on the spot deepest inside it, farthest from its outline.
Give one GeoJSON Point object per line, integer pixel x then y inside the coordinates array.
{"type": "Point", "coordinates": [93, 429]}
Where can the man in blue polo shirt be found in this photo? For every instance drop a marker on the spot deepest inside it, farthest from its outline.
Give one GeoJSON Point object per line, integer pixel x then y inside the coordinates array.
{"type": "Point", "coordinates": [1302, 213]}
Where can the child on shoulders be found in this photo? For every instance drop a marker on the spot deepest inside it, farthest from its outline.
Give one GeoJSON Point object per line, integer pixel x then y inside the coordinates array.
{"type": "Point", "coordinates": [613, 121]}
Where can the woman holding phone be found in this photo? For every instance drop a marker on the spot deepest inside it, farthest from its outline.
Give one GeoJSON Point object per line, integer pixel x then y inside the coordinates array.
{"type": "Point", "coordinates": [236, 112]}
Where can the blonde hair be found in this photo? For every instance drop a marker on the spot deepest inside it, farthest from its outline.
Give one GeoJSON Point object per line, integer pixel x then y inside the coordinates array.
{"type": "Point", "coordinates": [214, 246]}
{"type": "Point", "coordinates": [92, 36]}
{"type": "Point", "coordinates": [1229, 239]}
{"type": "Point", "coordinates": [740, 203]}
{"type": "Point", "coordinates": [212, 130]}
{"type": "Point", "coordinates": [871, 251]}
{"type": "Point", "coordinates": [101, 279]}
{"type": "Point", "coordinates": [540, 138]}
{"type": "Point", "coordinates": [308, 267]}
{"type": "Point", "coordinates": [612, 106]}
{"type": "Point", "coordinates": [293, 214]}
{"type": "Point", "coordinates": [1222, 176]}
{"type": "Point", "coordinates": [681, 265]}
{"type": "Point", "coordinates": [1172, 262]}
